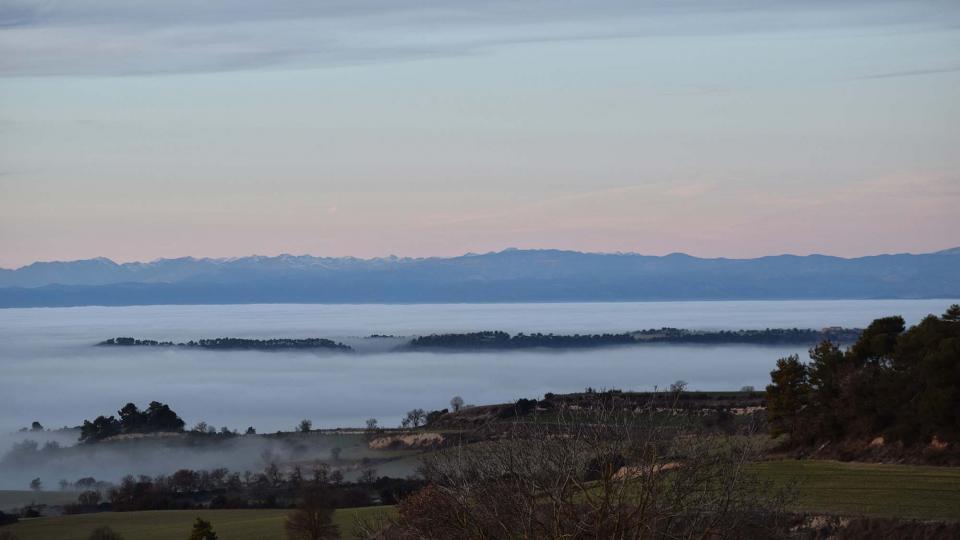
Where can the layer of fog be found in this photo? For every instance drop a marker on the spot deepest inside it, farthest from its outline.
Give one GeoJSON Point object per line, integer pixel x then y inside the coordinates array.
{"type": "Point", "coordinates": [51, 372]}
{"type": "Point", "coordinates": [152, 456]}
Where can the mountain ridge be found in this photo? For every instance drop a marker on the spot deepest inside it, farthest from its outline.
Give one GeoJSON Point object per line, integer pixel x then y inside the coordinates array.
{"type": "Point", "coordinates": [503, 276]}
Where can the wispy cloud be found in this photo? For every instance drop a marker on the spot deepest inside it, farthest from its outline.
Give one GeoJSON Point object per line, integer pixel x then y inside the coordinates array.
{"type": "Point", "coordinates": [911, 73]}
{"type": "Point", "coordinates": [109, 37]}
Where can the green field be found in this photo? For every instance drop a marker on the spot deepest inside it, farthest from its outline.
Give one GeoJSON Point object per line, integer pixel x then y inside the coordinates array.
{"type": "Point", "coordinates": [834, 487]}
{"type": "Point", "coordinates": [176, 524]}
{"type": "Point", "coordinates": [12, 498]}
{"type": "Point", "coordinates": [822, 486]}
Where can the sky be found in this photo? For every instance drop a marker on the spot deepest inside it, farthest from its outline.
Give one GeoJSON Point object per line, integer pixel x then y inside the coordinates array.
{"type": "Point", "coordinates": [137, 130]}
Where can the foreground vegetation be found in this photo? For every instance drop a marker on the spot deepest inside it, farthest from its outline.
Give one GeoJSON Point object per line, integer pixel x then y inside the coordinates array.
{"type": "Point", "coordinates": [176, 524]}
{"type": "Point", "coordinates": [828, 487]}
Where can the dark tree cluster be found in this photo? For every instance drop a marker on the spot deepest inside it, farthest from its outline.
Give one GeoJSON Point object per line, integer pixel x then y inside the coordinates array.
{"type": "Point", "coordinates": [496, 340]}
{"type": "Point", "coordinates": [7, 519]}
{"type": "Point", "coordinates": [157, 417]}
{"type": "Point", "coordinates": [522, 407]}
{"type": "Point", "coordinates": [271, 488]}
{"type": "Point", "coordinates": [902, 384]}
{"type": "Point", "coordinates": [769, 336]}
{"type": "Point", "coordinates": [233, 344]}
{"type": "Point", "coordinates": [502, 340]}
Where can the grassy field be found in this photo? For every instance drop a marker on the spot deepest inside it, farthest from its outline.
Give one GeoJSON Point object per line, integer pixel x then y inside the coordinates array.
{"type": "Point", "coordinates": [18, 498]}
{"type": "Point", "coordinates": [822, 486]}
{"type": "Point", "coordinates": [870, 489]}
{"type": "Point", "coordinates": [176, 524]}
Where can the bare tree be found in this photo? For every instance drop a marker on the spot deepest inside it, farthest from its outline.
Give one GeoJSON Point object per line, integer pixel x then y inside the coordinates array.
{"type": "Point", "coordinates": [89, 499]}
{"type": "Point", "coordinates": [305, 426]}
{"type": "Point", "coordinates": [296, 476]}
{"type": "Point", "coordinates": [320, 473]}
{"type": "Point", "coordinates": [312, 520]}
{"type": "Point", "coordinates": [368, 476]}
{"type": "Point", "coordinates": [456, 403]}
{"type": "Point", "coordinates": [678, 386]}
{"type": "Point", "coordinates": [372, 428]}
{"type": "Point", "coordinates": [603, 471]}
{"type": "Point", "coordinates": [415, 418]}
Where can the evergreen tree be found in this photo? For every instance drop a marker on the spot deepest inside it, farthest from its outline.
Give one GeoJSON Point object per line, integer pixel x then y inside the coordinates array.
{"type": "Point", "coordinates": [202, 530]}
{"type": "Point", "coordinates": [787, 395]}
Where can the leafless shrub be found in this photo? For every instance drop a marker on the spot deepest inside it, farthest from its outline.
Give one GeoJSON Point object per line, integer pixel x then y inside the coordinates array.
{"type": "Point", "coordinates": [602, 471]}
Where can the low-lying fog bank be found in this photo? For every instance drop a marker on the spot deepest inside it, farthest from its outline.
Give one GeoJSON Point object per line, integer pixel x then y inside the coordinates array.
{"type": "Point", "coordinates": [272, 391]}
{"type": "Point", "coordinates": [52, 373]}
{"type": "Point", "coordinates": [164, 453]}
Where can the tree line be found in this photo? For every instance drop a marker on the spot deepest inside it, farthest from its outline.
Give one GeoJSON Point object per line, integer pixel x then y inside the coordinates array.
{"type": "Point", "coordinates": [228, 343]}
{"type": "Point", "coordinates": [899, 383]}
{"type": "Point", "coordinates": [497, 340]}
{"type": "Point", "coordinates": [274, 487]}
{"type": "Point", "coordinates": [157, 417]}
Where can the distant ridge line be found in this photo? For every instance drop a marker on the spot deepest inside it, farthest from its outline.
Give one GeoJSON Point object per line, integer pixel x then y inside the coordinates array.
{"type": "Point", "coordinates": [512, 275]}
{"type": "Point", "coordinates": [287, 256]}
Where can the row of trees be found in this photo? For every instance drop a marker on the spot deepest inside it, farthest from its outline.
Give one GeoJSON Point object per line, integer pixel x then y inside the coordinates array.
{"type": "Point", "coordinates": [502, 340]}
{"type": "Point", "coordinates": [157, 417]}
{"type": "Point", "coordinates": [768, 336]}
{"type": "Point", "coordinates": [903, 384]}
{"type": "Point", "coordinates": [274, 487]}
{"type": "Point", "coordinates": [234, 343]}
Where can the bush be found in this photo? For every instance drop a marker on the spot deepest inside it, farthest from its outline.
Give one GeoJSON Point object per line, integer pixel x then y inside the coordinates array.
{"type": "Point", "coordinates": [104, 533]}
{"type": "Point", "coordinates": [202, 530]}
{"type": "Point", "coordinates": [312, 520]}
{"type": "Point", "coordinates": [597, 472]}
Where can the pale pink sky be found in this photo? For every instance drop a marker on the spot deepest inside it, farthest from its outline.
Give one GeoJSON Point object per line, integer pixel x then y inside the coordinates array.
{"type": "Point", "coordinates": [140, 130]}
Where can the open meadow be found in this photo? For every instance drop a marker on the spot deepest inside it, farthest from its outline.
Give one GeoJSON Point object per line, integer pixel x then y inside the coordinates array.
{"type": "Point", "coordinates": [869, 489]}
{"type": "Point", "coordinates": [175, 524]}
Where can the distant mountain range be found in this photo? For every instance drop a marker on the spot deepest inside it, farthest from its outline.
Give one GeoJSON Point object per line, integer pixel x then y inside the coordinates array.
{"type": "Point", "coordinates": [507, 276]}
